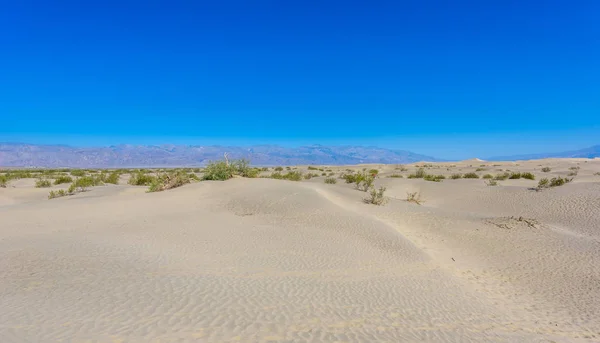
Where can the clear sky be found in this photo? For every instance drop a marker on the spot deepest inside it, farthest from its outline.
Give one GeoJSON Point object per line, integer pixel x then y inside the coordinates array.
{"type": "Point", "coordinates": [452, 79]}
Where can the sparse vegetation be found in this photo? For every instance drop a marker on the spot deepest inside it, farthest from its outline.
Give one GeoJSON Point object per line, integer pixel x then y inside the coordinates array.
{"type": "Point", "coordinates": [546, 169]}
{"type": "Point", "coordinates": [364, 181]}
{"type": "Point", "coordinates": [78, 172]}
{"type": "Point", "coordinates": [491, 182]}
{"type": "Point", "coordinates": [376, 196]}
{"type": "Point", "coordinates": [480, 169]}
{"type": "Point", "coordinates": [470, 175]}
{"type": "Point", "coordinates": [515, 176]}
{"type": "Point", "coordinates": [419, 174]}
{"type": "Point", "coordinates": [598, 173]}
{"type": "Point", "coordinates": [278, 169]}
{"type": "Point", "coordinates": [488, 176]}
{"type": "Point", "coordinates": [42, 183]}
{"type": "Point", "coordinates": [414, 197]}
{"type": "Point", "coordinates": [141, 179]}
{"type": "Point", "coordinates": [528, 176]}
{"type": "Point", "coordinates": [3, 181]}
{"type": "Point", "coordinates": [63, 179]}
{"type": "Point", "coordinates": [554, 182]}
{"type": "Point", "coordinates": [169, 180]}
{"type": "Point", "coordinates": [310, 176]}
{"type": "Point", "coordinates": [456, 176]}
{"type": "Point", "coordinates": [330, 180]}
{"type": "Point", "coordinates": [434, 178]}
{"type": "Point", "coordinates": [573, 173]}
{"type": "Point", "coordinates": [395, 176]}
{"type": "Point", "coordinates": [291, 176]}
{"type": "Point", "coordinates": [501, 177]}
{"type": "Point", "coordinates": [112, 178]}
{"type": "Point", "coordinates": [374, 171]}
{"type": "Point", "coordinates": [57, 194]}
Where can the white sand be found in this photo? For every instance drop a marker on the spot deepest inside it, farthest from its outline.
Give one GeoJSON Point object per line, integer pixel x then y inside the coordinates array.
{"type": "Point", "coordinates": [254, 260]}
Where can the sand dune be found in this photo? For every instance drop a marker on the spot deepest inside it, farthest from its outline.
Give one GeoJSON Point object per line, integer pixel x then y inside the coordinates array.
{"type": "Point", "coordinates": [258, 260]}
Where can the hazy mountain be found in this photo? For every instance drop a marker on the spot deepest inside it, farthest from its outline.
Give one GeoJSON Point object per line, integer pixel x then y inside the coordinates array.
{"type": "Point", "coordinates": [590, 152]}
{"type": "Point", "coordinates": [31, 155]}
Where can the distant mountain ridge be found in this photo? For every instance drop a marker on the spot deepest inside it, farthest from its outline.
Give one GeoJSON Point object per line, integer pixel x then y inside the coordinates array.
{"type": "Point", "coordinates": [591, 152]}
{"type": "Point", "coordinates": [54, 156]}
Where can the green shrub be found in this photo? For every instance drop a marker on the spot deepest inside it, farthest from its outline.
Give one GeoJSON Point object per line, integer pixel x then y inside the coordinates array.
{"type": "Point", "coordinates": [3, 181]}
{"type": "Point", "coordinates": [310, 176]}
{"type": "Point", "coordinates": [515, 176]}
{"type": "Point", "coordinates": [480, 169]}
{"type": "Point", "coordinates": [456, 176]}
{"type": "Point", "coordinates": [42, 183]}
{"type": "Point", "coordinates": [470, 175]}
{"type": "Point", "coordinates": [141, 179]}
{"type": "Point", "coordinates": [364, 181]}
{"type": "Point", "coordinates": [63, 179]}
{"type": "Point", "coordinates": [528, 176]}
{"type": "Point", "coordinates": [501, 177]}
{"type": "Point", "coordinates": [374, 171]}
{"type": "Point", "coordinates": [395, 176]}
{"type": "Point", "coordinates": [414, 197]}
{"type": "Point", "coordinates": [330, 180]}
{"type": "Point", "coordinates": [57, 194]}
{"type": "Point", "coordinates": [312, 168]}
{"type": "Point", "coordinates": [78, 172]}
{"type": "Point", "coordinates": [169, 180]}
{"type": "Point", "coordinates": [546, 169]}
{"type": "Point", "coordinates": [488, 176]}
{"type": "Point", "coordinates": [376, 196]}
{"type": "Point", "coordinates": [112, 178]}
{"type": "Point", "coordinates": [218, 171]}
{"type": "Point", "coordinates": [419, 174]}
{"type": "Point", "coordinates": [278, 168]}
{"type": "Point", "coordinates": [291, 176]}
{"type": "Point", "coordinates": [554, 182]}
{"type": "Point", "coordinates": [83, 183]}
{"type": "Point", "coordinates": [434, 178]}
{"type": "Point", "coordinates": [350, 178]}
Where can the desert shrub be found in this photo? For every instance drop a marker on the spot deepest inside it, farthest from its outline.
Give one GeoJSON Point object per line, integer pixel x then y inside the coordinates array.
{"type": "Point", "coordinates": [598, 173]}
{"type": "Point", "coordinates": [414, 197]}
{"type": "Point", "coordinates": [141, 179]}
{"type": "Point", "coordinates": [574, 168]}
{"type": "Point", "coordinates": [488, 176]}
{"type": "Point", "coordinates": [480, 169]}
{"type": "Point", "coordinates": [331, 174]}
{"type": "Point", "coordinates": [456, 176]}
{"type": "Point", "coordinates": [3, 181]}
{"type": "Point", "coordinates": [112, 178]}
{"type": "Point", "coordinates": [350, 178]}
{"type": "Point", "coordinates": [57, 194]}
{"type": "Point", "coordinates": [83, 183]}
{"type": "Point", "coordinates": [278, 169]}
{"type": "Point", "coordinates": [419, 174]}
{"type": "Point", "coordinates": [528, 176]}
{"type": "Point", "coordinates": [218, 171]}
{"type": "Point", "coordinates": [63, 179]}
{"type": "Point", "coordinates": [42, 183]}
{"type": "Point", "coordinates": [395, 176]}
{"type": "Point", "coordinates": [78, 172]}
{"type": "Point", "coordinates": [291, 176]}
{"type": "Point", "coordinates": [573, 173]}
{"type": "Point", "coordinates": [169, 180]}
{"type": "Point", "coordinates": [330, 180]}
{"type": "Point", "coordinates": [501, 177]}
{"type": "Point", "coordinates": [491, 182]}
{"type": "Point", "coordinates": [376, 196]}
{"type": "Point", "coordinates": [546, 169]}
{"type": "Point", "coordinates": [470, 175]}
{"type": "Point", "coordinates": [264, 169]}
{"type": "Point", "coordinates": [434, 178]}
{"type": "Point", "coordinates": [364, 181]}
{"type": "Point", "coordinates": [323, 174]}
{"type": "Point", "coordinates": [312, 168]}
{"type": "Point", "coordinates": [288, 168]}
{"type": "Point", "coordinates": [401, 168]}
{"type": "Point", "coordinates": [554, 182]}
{"type": "Point", "coordinates": [374, 171]}
{"type": "Point", "coordinates": [515, 176]}
{"type": "Point", "coordinates": [310, 176]}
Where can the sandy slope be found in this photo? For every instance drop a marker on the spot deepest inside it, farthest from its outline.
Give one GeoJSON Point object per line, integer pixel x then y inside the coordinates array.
{"type": "Point", "coordinates": [267, 260]}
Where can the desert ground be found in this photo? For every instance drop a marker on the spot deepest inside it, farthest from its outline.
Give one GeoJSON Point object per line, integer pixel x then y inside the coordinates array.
{"type": "Point", "coordinates": [274, 260]}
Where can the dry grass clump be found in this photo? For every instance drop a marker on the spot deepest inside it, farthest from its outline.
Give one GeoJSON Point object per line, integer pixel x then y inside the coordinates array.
{"type": "Point", "coordinates": [169, 180]}
{"type": "Point", "coordinates": [57, 194]}
{"type": "Point", "coordinates": [487, 176]}
{"type": "Point", "coordinates": [546, 169]}
{"type": "Point", "coordinates": [470, 175]}
{"type": "Point", "coordinates": [291, 176]}
{"type": "Point", "coordinates": [330, 180]}
{"type": "Point", "coordinates": [42, 183]}
{"type": "Point", "coordinates": [414, 197]}
{"type": "Point", "coordinates": [419, 174]}
{"type": "Point", "coordinates": [501, 177]}
{"type": "Point", "coordinates": [278, 169]}
{"type": "Point", "coordinates": [310, 176]}
{"type": "Point", "coordinates": [491, 182]}
{"type": "Point", "coordinates": [63, 179]}
{"type": "Point", "coordinates": [456, 176]}
{"type": "Point", "coordinates": [480, 169]}
{"type": "Point", "coordinates": [434, 178]}
{"type": "Point", "coordinates": [528, 176]}
{"type": "Point", "coordinates": [395, 176]}
{"type": "Point", "coordinates": [554, 182]}
{"type": "Point", "coordinates": [515, 176]}
{"type": "Point", "coordinates": [376, 196]}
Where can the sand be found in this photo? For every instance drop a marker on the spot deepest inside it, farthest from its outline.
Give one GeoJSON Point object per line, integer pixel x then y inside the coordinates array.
{"type": "Point", "coordinates": [263, 260]}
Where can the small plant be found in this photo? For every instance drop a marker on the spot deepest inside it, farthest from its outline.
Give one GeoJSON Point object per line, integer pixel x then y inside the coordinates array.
{"type": "Point", "coordinates": [42, 183]}
{"type": "Point", "coordinates": [401, 168]}
{"type": "Point", "coordinates": [310, 168]}
{"type": "Point", "coordinates": [598, 173]}
{"type": "Point", "coordinates": [574, 168]}
{"type": "Point", "coordinates": [78, 172]}
{"type": "Point", "coordinates": [278, 169]}
{"type": "Point", "coordinates": [434, 178]}
{"type": "Point", "coordinates": [330, 180]}
{"type": "Point", "coordinates": [169, 180]}
{"type": "Point", "coordinates": [414, 197]}
{"type": "Point", "coordinates": [573, 173]}
{"type": "Point", "coordinates": [374, 171]}
{"type": "Point", "coordinates": [491, 182]}
{"type": "Point", "coordinates": [480, 169]}
{"type": "Point", "coordinates": [113, 178]}
{"type": "Point", "coordinates": [546, 169]}
{"type": "Point", "coordinates": [376, 196]}
{"type": "Point", "coordinates": [470, 175]}
{"type": "Point", "coordinates": [395, 176]}
{"type": "Point", "coordinates": [515, 176]}
{"type": "Point", "coordinates": [364, 181]}
{"type": "Point", "coordinates": [488, 176]}
{"type": "Point", "coordinates": [350, 178]}
{"type": "Point", "coordinates": [501, 177]}
{"type": "Point", "coordinates": [528, 176]}
{"type": "Point", "coordinates": [141, 179]}
{"type": "Point", "coordinates": [83, 183]}
{"type": "Point", "coordinates": [3, 181]}
{"type": "Point", "coordinates": [63, 179]}
{"type": "Point", "coordinates": [456, 176]}
{"type": "Point", "coordinates": [57, 194]}
{"type": "Point", "coordinates": [310, 176]}
{"type": "Point", "coordinates": [419, 174]}
{"type": "Point", "coordinates": [554, 182]}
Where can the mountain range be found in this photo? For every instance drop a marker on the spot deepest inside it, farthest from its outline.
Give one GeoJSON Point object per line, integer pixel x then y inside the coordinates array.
{"type": "Point", "coordinates": [31, 155]}
{"type": "Point", "coordinates": [120, 156]}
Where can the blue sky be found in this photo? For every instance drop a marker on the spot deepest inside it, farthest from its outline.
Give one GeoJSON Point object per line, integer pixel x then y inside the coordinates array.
{"type": "Point", "coordinates": [452, 79]}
